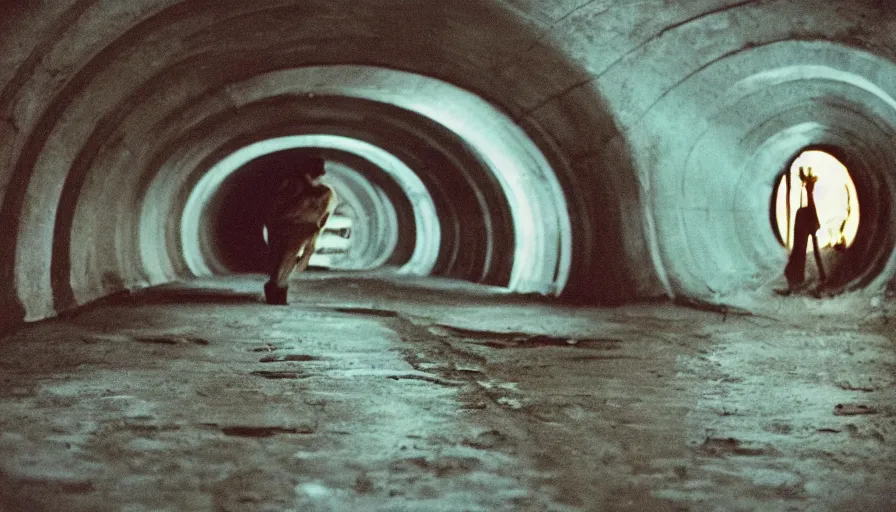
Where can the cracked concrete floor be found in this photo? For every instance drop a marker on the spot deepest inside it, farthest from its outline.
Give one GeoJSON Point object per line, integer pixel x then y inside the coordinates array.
{"type": "Point", "coordinates": [382, 392]}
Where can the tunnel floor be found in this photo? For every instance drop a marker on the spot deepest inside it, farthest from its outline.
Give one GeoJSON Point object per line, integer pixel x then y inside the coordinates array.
{"type": "Point", "coordinates": [375, 392]}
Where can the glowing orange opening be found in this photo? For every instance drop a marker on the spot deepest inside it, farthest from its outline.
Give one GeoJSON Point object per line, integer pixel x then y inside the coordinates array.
{"type": "Point", "coordinates": [836, 201]}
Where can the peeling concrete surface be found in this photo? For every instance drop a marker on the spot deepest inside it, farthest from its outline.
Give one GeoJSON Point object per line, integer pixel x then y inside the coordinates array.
{"type": "Point", "coordinates": [391, 393]}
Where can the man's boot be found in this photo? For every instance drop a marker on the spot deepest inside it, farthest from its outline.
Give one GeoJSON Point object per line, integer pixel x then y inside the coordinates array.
{"type": "Point", "coordinates": [274, 295]}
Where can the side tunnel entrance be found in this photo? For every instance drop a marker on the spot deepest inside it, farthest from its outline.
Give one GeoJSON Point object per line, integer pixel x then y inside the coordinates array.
{"type": "Point", "coordinates": [817, 188]}
{"type": "Point", "coordinates": [853, 206]}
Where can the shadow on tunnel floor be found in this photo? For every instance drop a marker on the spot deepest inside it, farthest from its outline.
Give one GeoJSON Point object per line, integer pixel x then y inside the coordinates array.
{"type": "Point", "coordinates": [181, 295]}
{"type": "Point", "coordinates": [314, 286]}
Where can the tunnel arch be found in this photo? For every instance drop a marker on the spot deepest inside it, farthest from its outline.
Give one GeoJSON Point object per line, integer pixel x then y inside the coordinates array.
{"type": "Point", "coordinates": [426, 235]}
{"type": "Point", "coordinates": [844, 211]}
{"type": "Point", "coordinates": [509, 166]}
{"type": "Point", "coordinates": [711, 204]}
{"type": "Point", "coordinates": [363, 233]}
{"type": "Point", "coordinates": [525, 177]}
{"type": "Point", "coordinates": [865, 263]}
{"type": "Point", "coordinates": [97, 94]}
{"type": "Point", "coordinates": [253, 135]}
{"type": "Point", "coordinates": [156, 26]}
{"type": "Point", "coordinates": [107, 82]}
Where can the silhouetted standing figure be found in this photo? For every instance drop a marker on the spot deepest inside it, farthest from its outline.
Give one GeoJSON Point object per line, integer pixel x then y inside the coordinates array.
{"type": "Point", "coordinates": [806, 226]}
{"type": "Point", "coordinates": [298, 212]}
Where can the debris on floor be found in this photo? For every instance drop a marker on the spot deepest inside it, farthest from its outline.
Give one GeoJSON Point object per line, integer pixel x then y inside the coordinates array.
{"type": "Point", "coordinates": [853, 409]}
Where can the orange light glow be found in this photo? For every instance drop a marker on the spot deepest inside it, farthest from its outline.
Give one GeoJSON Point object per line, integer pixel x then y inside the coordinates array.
{"type": "Point", "coordinates": [835, 198]}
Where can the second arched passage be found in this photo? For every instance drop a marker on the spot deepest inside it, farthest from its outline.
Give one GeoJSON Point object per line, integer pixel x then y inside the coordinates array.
{"type": "Point", "coordinates": [712, 188]}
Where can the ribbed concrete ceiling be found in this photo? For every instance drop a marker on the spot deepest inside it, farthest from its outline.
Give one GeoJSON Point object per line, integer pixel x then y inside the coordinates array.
{"type": "Point", "coordinates": [602, 150]}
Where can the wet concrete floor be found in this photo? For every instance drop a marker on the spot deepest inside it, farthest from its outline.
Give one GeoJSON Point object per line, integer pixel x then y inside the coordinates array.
{"type": "Point", "coordinates": [395, 393]}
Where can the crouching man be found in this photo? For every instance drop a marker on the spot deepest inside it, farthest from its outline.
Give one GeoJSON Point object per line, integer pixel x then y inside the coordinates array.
{"type": "Point", "coordinates": [298, 212]}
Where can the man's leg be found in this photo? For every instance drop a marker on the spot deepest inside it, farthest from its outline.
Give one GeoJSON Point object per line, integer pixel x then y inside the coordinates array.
{"type": "Point", "coordinates": [288, 261]}
{"type": "Point", "coordinates": [281, 261]}
{"type": "Point", "coordinates": [307, 253]}
{"type": "Point", "coordinates": [795, 271]}
{"type": "Point", "coordinates": [285, 250]}
{"type": "Point", "coordinates": [822, 277]}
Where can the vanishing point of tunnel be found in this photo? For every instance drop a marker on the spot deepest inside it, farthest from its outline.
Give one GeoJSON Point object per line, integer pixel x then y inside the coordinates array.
{"type": "Point", "coordinates": [554, 277]}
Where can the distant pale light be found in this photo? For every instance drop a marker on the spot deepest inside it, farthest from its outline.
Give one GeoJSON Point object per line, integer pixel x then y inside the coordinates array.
{"type": "Point", "coordinates": [836, 200]}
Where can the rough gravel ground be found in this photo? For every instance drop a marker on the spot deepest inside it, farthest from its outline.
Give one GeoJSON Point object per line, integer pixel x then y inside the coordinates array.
{"type": "Point", "coordinates": [382, 392]}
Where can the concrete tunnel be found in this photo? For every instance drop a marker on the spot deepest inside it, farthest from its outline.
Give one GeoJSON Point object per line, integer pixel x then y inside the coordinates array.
{"type": "Point", "coordinates": [592, 152]}
{"type": "Point", "coordinates": [557, 149]}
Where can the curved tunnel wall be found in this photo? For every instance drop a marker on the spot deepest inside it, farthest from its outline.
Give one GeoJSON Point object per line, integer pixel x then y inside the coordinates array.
{"type": "Point", "coordinates": [420, 233]}
{"type": "Point", "coordinates": [711, 206]}
{"type": "Point", "coordinates": [642, 113]}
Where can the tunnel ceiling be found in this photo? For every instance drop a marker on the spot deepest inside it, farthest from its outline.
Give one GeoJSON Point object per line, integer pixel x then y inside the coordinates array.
{"type": "Point", "coordinates": [600, 151]}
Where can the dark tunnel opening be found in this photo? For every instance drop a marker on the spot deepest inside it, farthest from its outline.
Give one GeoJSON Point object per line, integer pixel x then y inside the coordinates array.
{"type": "Point", "coordinates": [237, 214]}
